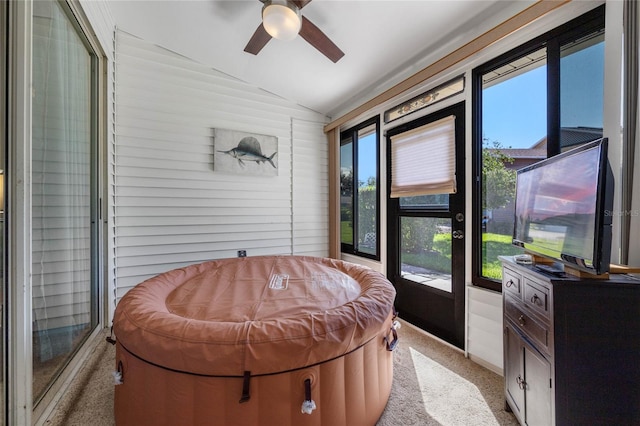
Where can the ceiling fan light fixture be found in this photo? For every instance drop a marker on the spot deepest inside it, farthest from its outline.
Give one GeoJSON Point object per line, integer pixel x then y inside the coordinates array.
{"type": "Point", "coordinates": [281, 19]}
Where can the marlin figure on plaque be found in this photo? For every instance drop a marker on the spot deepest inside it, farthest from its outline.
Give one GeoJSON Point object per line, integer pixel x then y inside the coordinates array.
{"type": "Point", "coordinates": [248, 149]}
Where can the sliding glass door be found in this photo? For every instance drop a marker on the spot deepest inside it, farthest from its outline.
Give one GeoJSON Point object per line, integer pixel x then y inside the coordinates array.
{"type": "Point", "coordinates": [64, 192]}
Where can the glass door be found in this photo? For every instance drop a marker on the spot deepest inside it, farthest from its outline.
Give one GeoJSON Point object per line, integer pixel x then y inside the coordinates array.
{"type": "Point", "coordinates": [64, 192]}
{"type": "Point", "coordinates": [426, 244]}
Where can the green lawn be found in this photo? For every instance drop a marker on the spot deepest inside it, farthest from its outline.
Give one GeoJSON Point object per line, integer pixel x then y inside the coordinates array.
{"type": "Point", "coordinates": [346, 232]}
{"type": "Point", "coordinates": [433, 261]}
{"type": "Point", "coordinates": [439, 259]}
{"type": "Point", "coordinates": [494, 245]}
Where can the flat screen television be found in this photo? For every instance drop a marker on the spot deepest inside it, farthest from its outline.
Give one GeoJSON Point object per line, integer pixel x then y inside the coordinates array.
{"type": "Point", "coordinates": [563, 208]}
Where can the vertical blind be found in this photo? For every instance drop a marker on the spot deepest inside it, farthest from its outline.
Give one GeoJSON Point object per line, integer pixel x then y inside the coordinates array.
{"type": "Point", "coordinates": [423, 160]}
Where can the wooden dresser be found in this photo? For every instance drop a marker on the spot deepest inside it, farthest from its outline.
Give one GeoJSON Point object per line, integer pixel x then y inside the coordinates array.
{"type": "Point", "coordinates": [571, 347]}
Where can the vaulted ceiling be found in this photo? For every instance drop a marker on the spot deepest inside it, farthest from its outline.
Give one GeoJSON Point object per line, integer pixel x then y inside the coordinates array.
{"type": "Point", "coordinates": [384, 41]}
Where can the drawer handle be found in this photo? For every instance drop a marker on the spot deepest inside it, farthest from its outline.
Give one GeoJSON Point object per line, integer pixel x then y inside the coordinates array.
{"type": "Point", "coordinates": [521, 383]}
{"type": "Point", "coordinates": [509, 283]}
{"type": "Point", "coordinates": [536, 300]}
{"type": "Point", "coordinates": [521, 320]}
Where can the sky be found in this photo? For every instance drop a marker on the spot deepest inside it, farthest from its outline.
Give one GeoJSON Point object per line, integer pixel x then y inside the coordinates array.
{"type": "Point", "coordinates": [514, 111]}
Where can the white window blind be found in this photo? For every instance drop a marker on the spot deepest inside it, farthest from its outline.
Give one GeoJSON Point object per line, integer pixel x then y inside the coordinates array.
{"type": "Point", "coordinates": [423, 160]}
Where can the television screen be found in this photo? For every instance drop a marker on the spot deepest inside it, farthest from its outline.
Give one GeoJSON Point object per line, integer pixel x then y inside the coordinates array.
{"type": "Point", "coordinates": [563, 208]}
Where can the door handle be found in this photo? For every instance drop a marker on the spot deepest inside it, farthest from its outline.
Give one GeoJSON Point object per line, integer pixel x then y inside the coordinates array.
{"type": "Point", "coordinates": [457, 234]}
{"type": "Point", "coordinates": [521, 383]}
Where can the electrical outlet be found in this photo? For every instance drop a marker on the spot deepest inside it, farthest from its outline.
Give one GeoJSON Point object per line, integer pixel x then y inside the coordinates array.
{"type": "Point", "coordinates": [242, 253]}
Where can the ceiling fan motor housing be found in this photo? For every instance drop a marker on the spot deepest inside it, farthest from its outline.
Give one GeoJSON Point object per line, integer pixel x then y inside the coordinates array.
{"type": "Point", "coordinates": [281, 19]}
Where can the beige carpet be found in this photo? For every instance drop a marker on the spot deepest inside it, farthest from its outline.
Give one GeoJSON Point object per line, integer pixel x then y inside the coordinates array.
{"type": "Point", "coordinates": [433, 385]}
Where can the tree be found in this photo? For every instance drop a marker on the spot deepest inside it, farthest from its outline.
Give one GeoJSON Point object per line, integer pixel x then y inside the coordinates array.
{"type": "Point", "coordinates": [417, 234]}
{"type": "Point", "coordinates": [346, 183]}
{"type": "Point", "coordinates": [499, 182]}
{"type": "Point", "coordinates": [367, 208]}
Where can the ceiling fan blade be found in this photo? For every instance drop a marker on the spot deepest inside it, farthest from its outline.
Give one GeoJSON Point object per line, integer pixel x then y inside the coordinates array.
{"type": "Point", "coordinates": [301, 3]}
{"type": "Point", "coordinates": [258, 40]}
{"type": "Point", "coordinates": [320, 41]}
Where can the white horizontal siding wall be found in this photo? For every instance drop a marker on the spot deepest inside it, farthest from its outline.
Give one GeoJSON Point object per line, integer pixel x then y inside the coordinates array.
{"type": "Point", "coordinates": [484, 330]}
{"type": "Point", "coordinates": [170, 208]}
{"type": "Point", "coordinates": [310, 190]}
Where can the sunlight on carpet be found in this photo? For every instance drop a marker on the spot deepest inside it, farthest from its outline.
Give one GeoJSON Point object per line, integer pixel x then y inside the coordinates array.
{"type": "Point", "coordinates": [448, 398]}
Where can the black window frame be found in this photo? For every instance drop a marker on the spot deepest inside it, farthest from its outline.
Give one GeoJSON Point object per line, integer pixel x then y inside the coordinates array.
{"type": "Point", "coordinates": [352, 135]}
{"type": "Point", "coordinates": [553, 40]}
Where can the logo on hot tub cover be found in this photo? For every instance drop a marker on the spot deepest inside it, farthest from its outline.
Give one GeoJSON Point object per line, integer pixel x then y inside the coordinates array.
{"type": "Point", "coordinates": [279, 281]}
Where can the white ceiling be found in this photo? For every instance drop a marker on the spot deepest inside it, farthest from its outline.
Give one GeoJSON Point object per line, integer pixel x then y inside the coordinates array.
{"type": "Point", "coordinates": [384, 41]}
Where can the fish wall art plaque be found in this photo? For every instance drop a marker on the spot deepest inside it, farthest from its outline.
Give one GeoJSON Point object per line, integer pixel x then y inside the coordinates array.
{"type": "Point", "coordinates": [245, 153]}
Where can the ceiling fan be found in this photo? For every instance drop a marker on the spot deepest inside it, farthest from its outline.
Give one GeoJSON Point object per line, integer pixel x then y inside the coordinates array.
{"type": "Point", "coordinates": [282, 19]}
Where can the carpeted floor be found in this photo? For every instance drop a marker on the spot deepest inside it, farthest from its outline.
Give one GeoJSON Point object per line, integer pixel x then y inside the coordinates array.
{"type": "Point", "coordinates": [433, 385]}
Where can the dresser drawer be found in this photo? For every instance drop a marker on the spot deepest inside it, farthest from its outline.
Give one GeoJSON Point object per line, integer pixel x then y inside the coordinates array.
{"type": "Point", "coordinates": [536, 297]}
{"type": "Point", "coordinates": [526, 323]}
{"type": "Point", "coordinates": [512, 282]}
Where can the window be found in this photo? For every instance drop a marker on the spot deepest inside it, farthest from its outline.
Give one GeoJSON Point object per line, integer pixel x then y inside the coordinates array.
{"type": "Point", "coordinates": [581, 90]}
{"type": "Point", "coordinates": [359, 190]}
{"type": "Point", "coordinates": [529, 104]}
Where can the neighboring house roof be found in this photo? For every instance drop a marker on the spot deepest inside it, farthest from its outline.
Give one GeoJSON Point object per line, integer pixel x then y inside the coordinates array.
{"type": "Point", "coordinates": [569, 136]}
{"type": "Point", "coordinates": [517, 153]}
{"type": "Point", "coordinates": [541, 144]}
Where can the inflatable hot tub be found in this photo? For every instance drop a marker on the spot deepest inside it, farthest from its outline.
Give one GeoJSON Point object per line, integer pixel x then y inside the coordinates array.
{"type": "Point", "coordinates": [274, 340]}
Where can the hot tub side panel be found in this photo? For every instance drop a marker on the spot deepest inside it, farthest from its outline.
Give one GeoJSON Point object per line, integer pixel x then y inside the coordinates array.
{"type": "Point", "coordinates": [350, 390]}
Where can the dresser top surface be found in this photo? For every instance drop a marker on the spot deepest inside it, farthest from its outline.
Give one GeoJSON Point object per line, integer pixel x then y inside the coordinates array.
{"type": "Point", "coordinates": [565, 278]}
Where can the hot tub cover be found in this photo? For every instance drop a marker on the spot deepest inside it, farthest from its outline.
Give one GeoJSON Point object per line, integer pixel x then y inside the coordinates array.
{"type": "Point", "coordinates": [261, 315]}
